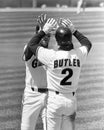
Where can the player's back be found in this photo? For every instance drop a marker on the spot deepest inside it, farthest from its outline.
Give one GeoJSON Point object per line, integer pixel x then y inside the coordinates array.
{"type": "Point", "coordinates": [64, 70]}
{"type": "Point", "coordinates": [35, 74]}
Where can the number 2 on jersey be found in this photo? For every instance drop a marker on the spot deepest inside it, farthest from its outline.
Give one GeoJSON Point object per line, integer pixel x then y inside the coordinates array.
{"type": "Point", "coordinates": [64, 81]}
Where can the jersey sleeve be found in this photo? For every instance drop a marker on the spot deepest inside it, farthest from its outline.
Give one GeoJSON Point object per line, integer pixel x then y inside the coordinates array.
{"type": "Point", "coordinates": [44, 55]}
{"type": "Point", "coordinates": [82, 52]}
{"type": "Point", "coordinates": [84, 41]}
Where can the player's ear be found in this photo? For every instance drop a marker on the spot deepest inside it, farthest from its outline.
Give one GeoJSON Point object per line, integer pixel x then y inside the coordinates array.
{"type": "Point", "coordinates": [45, 41]}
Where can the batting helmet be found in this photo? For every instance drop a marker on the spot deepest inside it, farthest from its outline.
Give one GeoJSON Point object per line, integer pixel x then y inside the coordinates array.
{"type": "Point", "coordinates": [63, 36]}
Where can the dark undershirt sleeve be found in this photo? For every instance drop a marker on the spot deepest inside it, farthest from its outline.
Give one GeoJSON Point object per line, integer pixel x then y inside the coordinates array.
{"type": "Point", "coordinates": [33, 45]}
{"type": "Point", "coordinates": [84, 41]}
{"type": "Point", "coordinates": [27, 53]}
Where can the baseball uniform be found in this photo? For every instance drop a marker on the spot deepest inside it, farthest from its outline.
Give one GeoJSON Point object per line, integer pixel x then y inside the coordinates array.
{"type": "Point", "coordinates": [35, 90]}
{"type": "Point", "coordinates": [63, 71]}
{"type": "Point", "coordinates": [33, 101]}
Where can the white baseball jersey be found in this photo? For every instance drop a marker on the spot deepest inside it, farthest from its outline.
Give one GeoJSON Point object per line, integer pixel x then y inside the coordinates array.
{"type": "Point", "coordinates": [33, 101]}
{"type": "Point", "coordinates": [63, 67]}
{"type": "Point", "coordinates": [35, 74]}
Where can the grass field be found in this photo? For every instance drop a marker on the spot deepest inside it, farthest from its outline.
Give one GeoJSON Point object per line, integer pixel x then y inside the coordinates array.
{"type": "Point", "coordinates": [16, 28]}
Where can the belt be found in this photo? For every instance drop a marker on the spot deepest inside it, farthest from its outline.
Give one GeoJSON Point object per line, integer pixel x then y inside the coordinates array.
{"type": "Point", "coordinates": [59, 93]}
{"type": "Point", "coordinates": [41, 90]}
{"type": "Point", "coordinates": [44, 90]}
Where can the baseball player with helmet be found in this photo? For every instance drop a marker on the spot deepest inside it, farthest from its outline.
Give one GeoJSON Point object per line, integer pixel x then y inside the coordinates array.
{"type": "Point", "coordinates": [63, 68]}
{"type": "Point", "coordinates": [35, 91]}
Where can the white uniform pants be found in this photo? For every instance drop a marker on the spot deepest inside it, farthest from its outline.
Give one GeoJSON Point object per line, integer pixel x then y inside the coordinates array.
{"type": "Point", "coordinates": [33, 103]}
{"type": "Point", "coordinates": [59, 109]}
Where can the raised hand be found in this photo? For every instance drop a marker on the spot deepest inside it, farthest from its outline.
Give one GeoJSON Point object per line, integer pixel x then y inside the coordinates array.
{"type": "Point", "coordinates": [42, 20]}
{"type": "Point", "coordinates": [67, 23]}
{"type": "Point", "coordinates": [50, 25]}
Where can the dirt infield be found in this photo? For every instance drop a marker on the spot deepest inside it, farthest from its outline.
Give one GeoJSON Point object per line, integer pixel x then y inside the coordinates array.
{"type": "Point", "coordinates": [16, 28]}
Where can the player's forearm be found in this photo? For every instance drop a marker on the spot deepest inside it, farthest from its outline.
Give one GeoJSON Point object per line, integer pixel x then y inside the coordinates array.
{"type": "Point", "coordinates": [84, 41]}
{"type": "Point", "coordinates": [34, 42]}
{"type": "Point", "coordinates": [32, 45]}
{"type": "Point", "coordinates": [36, 38]}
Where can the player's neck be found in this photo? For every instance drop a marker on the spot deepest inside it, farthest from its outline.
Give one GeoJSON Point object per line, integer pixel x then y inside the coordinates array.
{"type": "Point", "coordinates": [66, 48]}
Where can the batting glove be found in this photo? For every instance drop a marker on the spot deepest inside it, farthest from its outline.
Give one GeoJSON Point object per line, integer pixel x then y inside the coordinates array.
{"type": "Point", "coordinates": [50, 25]}
{"type": "Point", "coordinates": [67, 23]}
{"type": "Point", "coordinates": [42, 20]}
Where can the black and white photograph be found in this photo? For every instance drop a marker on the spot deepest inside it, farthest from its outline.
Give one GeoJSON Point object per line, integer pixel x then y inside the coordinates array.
{"type": "Point", "coordinates": [51, 64]}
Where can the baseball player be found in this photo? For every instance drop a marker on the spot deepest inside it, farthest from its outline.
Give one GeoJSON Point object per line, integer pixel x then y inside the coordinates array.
{"type": "Point", "coordinates": [79, 5]}
{"type": "Point", "coordinates": [35, 90]}
{"type": "Point", "coordinates": [63, 70]}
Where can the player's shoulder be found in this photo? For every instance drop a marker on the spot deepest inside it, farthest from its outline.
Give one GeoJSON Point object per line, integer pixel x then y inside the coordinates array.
{"type": "Point", "coordinates": [81, 50]}
{"type": "Point", "coordinates": [46, 51]}
{"type": "Point", "coordinates": [45, 55]}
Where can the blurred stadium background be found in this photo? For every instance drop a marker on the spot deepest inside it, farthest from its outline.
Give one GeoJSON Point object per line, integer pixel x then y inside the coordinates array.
{"type": "Point", "coordinates": [16, 28]}
{"type": "Point", "coordinates": [48, 3]}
